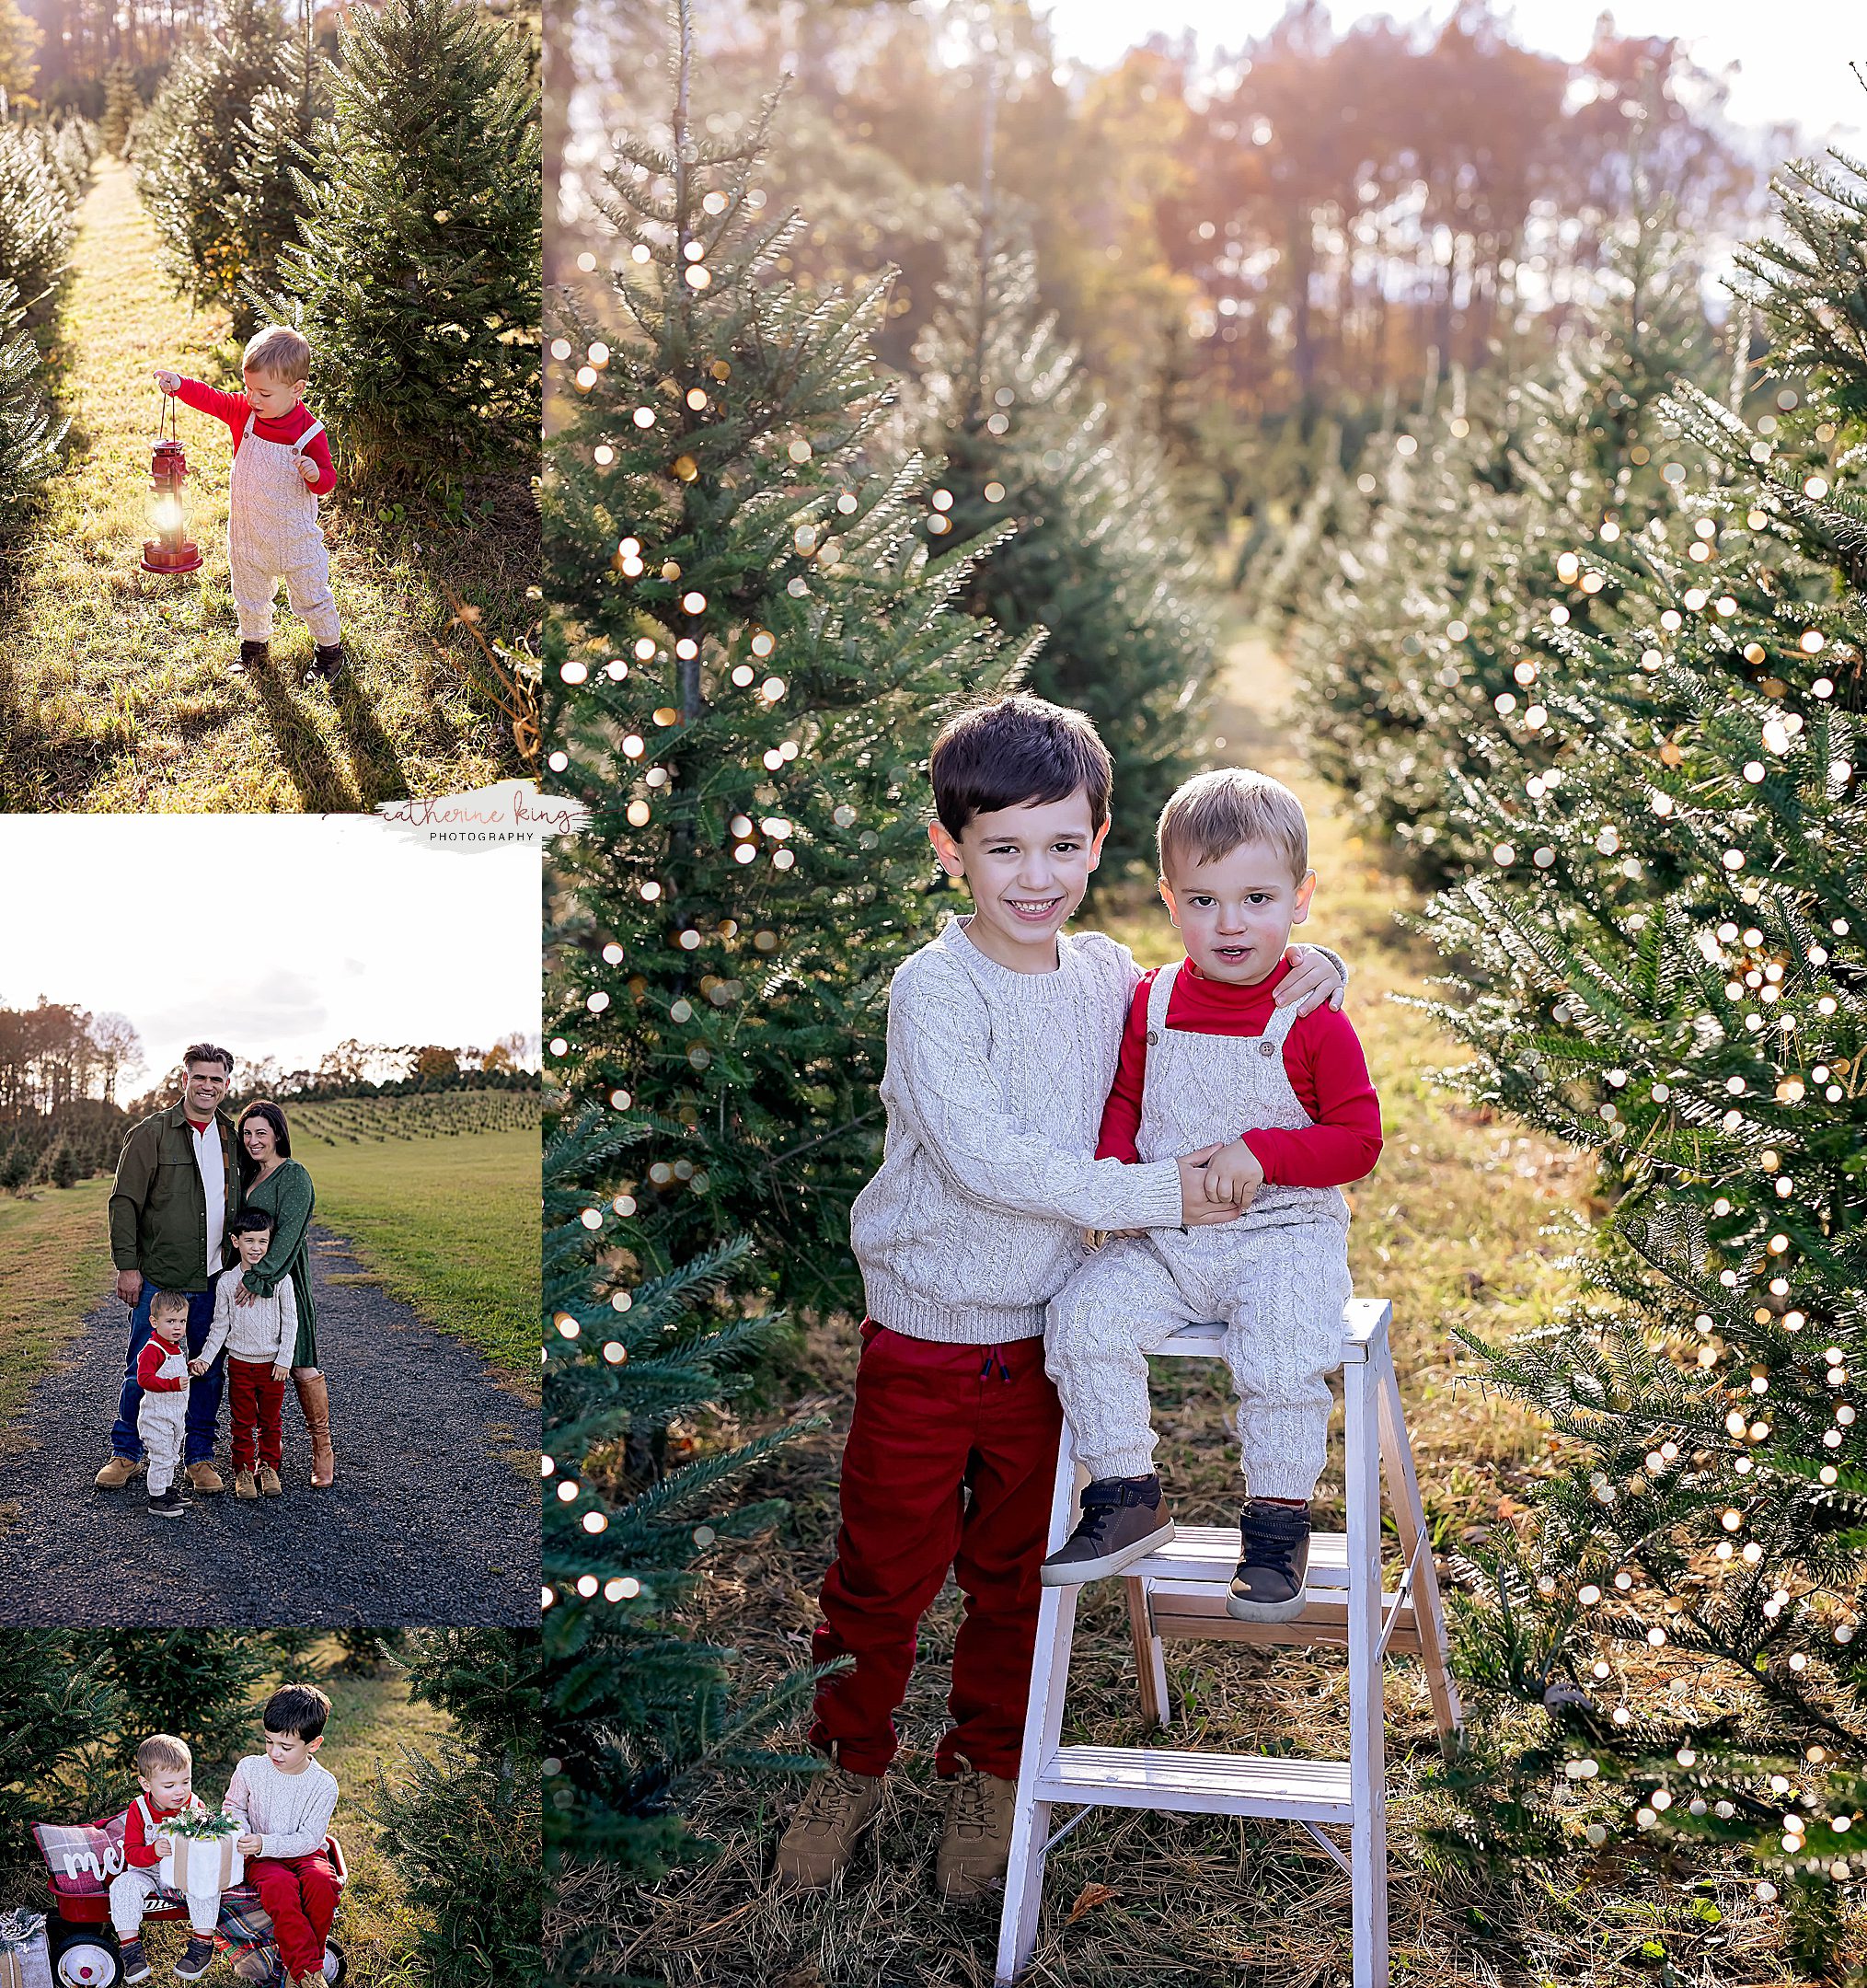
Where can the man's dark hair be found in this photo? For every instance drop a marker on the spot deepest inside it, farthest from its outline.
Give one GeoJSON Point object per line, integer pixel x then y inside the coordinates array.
{"type": "Point", "coordinates": [299, 1709]}
{"type": "Point", "coordinates": [1019, 751]}
{"type": "Point", "coordinates": [281, 1134]}
{"type": "Point", "coordinates": [249, 1221]}
{"type": "Point", "coordinates": [207, 1052]}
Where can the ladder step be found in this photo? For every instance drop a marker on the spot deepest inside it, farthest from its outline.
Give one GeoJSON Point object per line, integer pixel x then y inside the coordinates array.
{"type": "Point", "coordinates": [1199, 1783]}
{"type": "Point", "coordinates": [1202, 1553]}
{"type": "Point", "coordinates": [1193, 1611]}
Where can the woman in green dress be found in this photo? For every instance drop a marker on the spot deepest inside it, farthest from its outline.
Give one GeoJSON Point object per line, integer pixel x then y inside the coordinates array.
{"type": "Point", "coordinates": [270, 1179]}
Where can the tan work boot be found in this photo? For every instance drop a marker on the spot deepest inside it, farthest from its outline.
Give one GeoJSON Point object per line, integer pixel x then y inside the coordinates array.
{"type": "Point", "coordinates": [269, 1481]}
{"type": "Point", "coordinates": [244, 1485]}
{"type": "Point", "coordinates": [116, 1472]}
{"type": "Point", "coordinates": [975, 1846]}
{"type": "Point", "coordinates": [205, 1478]}
{"type": "Point", "coordinates": [837, 1806]}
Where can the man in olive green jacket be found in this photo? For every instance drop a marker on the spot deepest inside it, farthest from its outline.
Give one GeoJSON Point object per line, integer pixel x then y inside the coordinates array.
{"type": "Point", "coordinates": [177, 1188]}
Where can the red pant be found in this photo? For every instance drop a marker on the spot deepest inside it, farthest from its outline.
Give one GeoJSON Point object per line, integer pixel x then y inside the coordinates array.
{"type": "Point", "coordinates": [257, 1403]}
{"type": "Point", "coordinates": [949, 1462]}
{"type": "Point", "coordinates": [300, 1896]}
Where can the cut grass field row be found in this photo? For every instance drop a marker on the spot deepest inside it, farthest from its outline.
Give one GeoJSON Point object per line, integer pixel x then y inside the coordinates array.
{"type": "Point", "coordinates": [1465, 1222]}
{"type": "Point", "coordinates": [115, 686]}
{"type": "Point", "coordinates": [450, 1226]}
{"type": "Point", "coordinates": [54, 1265]}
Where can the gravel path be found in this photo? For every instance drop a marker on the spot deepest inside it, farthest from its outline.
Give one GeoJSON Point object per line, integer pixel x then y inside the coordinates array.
{"type": "Point", "coordinates": [433, 1517]}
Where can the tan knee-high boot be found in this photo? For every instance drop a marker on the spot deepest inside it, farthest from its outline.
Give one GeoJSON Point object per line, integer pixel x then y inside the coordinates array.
{"type": "Point", "coordinates": [314, 1399]}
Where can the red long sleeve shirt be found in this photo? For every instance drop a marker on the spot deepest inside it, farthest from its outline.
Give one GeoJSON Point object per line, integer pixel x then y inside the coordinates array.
{"type": "Point", "coordinates": [1322, 1056]}
{"type": "Point", "coordinates": [137, 1848]}
{"type": "Point", "coordinates": [149, 1376]}
{"type": "Point", "coordinates": [234, 407]}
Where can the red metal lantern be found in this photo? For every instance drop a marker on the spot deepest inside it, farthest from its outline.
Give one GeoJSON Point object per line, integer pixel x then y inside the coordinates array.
{"type": "Point", "coordinates": [171, 551]}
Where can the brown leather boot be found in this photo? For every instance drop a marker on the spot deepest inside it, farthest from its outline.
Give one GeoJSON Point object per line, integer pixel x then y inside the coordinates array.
{"type": "Point", "coordinates": [314, 1401]}
{"type": "Point", "coordinates": [837, 1808]}
{"type": "Point", "coordinates": [975, 1846]}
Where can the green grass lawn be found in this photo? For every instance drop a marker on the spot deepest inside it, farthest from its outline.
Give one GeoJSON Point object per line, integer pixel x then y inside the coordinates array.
{"type": "Point", "coordinates": [115, 688]}
{"type": "Point", "coordinates": [450, 1225]}
{"type": "Point", "coordinates": [54, 1265]}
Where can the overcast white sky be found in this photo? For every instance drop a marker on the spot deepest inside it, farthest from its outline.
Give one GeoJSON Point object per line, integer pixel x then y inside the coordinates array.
{"type": "Point", "coordinates": [1792, 55]}
{"type": "Point", "coordinates": [275, 934]}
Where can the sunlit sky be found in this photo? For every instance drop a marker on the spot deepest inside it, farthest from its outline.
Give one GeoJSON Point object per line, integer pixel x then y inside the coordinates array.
{"type": "Point", "coordinates": [274, 935]}
{"type": "Point", "coordinates": [1792, 55]}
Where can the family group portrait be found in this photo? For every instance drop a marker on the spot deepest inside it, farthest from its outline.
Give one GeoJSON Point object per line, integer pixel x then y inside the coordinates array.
{"type": "Point", "coordinates": [1202, 1048]}
{"type": "Point", "coordinates": [267, 1246]}
{"type": "Point", "coordinates": [285, 1807]}
{"type": "Point", "coordinates": [269, 401]}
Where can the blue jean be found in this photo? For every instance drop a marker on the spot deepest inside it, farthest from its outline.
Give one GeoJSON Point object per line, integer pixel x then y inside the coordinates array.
{"type": "Point", "coordinates": [203, 1392]}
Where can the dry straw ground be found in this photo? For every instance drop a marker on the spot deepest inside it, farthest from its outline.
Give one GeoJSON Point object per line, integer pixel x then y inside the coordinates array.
{"type": "Point", "coordinates": [1461, 1224]}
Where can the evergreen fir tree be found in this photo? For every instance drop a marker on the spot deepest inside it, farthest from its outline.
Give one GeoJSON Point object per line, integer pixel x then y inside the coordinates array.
{"type": "Point", "coordinates": [1098, 559]}
{"type": "Point", "coordinates": [637, 1708]}
{"type": "Point", "coordinates": [278, 140]}
{"type": "Point", "coordinates": [416, 271]}
{"type": "Point", "coordinates": [188, 153]}
{"type": "Point", "coordinates": [465, 1819]}
{"type": "Point", "coordinates": [16, 1170]}
{"type": "Point", "coordinates": [751, 652]}
{"type": "Point", "coordinates": [62, 1709]}
{"type": "Point", "coordinates": [369, 1649]}
{"type": "Point", "coordinates": [1427, 654]}
{"type": "Point", "coordinates": [1665, 966]}
{"type": "Point", "coordinates": [196, 1683]}
{"type": "Point", "coordinates": [36, 224]}
{"type": "Point", "coordinates": [29, 438]}
{"type": "Point", "coordinates": [61, 1169]}
{"type": "Point", "coordinates": [123, 107]}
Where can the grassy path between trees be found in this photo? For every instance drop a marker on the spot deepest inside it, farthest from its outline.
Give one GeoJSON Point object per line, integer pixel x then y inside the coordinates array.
{"type": "Point", "coordinates": [115, 686]}
{"type": "Point", "coordinates": [1461, 1224]}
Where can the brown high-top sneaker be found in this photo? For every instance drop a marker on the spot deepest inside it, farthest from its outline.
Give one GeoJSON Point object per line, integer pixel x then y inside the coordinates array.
{"type": "Point", "coordinates": [1124, 1520]}
{"type": "Point", "coordinates": [975, 1846]}
{"type": "Point", "coordinates": [837, 1808]}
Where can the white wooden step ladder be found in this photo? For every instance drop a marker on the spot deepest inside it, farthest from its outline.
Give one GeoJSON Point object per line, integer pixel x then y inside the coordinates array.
{"type": "Point", "coordinates": [1180, 1592]}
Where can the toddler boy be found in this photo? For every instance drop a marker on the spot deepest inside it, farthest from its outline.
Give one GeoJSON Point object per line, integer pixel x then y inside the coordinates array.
{"type": "Point", "coordinates": [1004, 1035]}
{"type": "Point", "coordinates": [259, 1336]}
{"type": "Point", "coordinates": [162, 1372]}
{"type": "Point", "coordinates": [1206, 1050]}
{"type": "Point", "coordinates": [284, 1801]}
{"type": "Point", "coordinates": [165, 1772]}
{"type": "Point", "coordinates": [281, 466]}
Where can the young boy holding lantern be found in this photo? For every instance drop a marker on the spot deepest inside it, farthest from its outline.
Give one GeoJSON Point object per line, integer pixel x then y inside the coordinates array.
{"type": "Point", "coordinates": [281, 466]}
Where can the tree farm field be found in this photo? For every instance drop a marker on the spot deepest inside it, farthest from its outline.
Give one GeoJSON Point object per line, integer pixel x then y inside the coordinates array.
{"type": "Point", "coordinates": [1468, 1222]}
{"type": "Point", "coordinates": [437, 1194]}
{"type": "Point", "coordinates": [116, 684]}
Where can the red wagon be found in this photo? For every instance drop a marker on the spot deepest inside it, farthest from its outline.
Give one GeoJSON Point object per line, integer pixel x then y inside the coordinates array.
{"type": "Point", "coordinates": [82, 1859]}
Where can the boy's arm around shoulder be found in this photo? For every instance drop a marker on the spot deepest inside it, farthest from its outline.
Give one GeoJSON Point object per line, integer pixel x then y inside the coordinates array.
{"type": "Point", "coordinates": [939, 1076]}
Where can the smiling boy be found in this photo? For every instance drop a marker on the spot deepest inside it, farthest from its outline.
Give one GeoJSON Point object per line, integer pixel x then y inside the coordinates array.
{"type": "Point", "coordinates": [1208, 1048]}
{"type": "Point", "coordinates": [285, 1800]}
{"type": "Point", "coordinates": [1004, 1035]}
{"type": "Point", "coordinates": [281, 466]}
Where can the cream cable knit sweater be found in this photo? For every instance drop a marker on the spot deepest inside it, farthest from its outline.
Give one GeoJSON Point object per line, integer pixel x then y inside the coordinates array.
{"type": "Point", "coordinates": [994, 1086]}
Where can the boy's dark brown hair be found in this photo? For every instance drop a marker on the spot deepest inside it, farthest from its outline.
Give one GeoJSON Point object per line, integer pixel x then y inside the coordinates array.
{"type": "Point", "coordinates": [1019, 751]}
{"type": "Point", "coordinates": [300, 1709]}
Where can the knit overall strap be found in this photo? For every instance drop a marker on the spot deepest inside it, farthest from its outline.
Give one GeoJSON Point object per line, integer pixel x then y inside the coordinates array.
{"type": "Point", "coordinates": [1159, 997]}
{"type": "Point", "coordinates": [142, 1802]}
{"type": "Point", "coordinates": [310, 436]}
{"type": "Point", "coordinates": [247, 433]}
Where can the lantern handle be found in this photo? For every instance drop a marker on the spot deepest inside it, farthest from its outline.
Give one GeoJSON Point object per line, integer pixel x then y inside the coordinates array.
{"type": "Point", "coordinates": [166, 418]}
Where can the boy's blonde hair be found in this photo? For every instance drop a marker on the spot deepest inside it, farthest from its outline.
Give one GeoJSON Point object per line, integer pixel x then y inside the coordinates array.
{"type": "Point", "coordinates": [280, 352]}
{"type": "Point", "coordinates": [162, 1749]}
{"type": "Point", "coordinates": [1213, 813]}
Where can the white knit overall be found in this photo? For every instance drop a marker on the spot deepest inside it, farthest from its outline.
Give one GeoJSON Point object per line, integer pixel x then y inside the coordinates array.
{"type": "Point", "coordinates": [1277, 1277]}
{"type": "Point", "coordinates": [272, 534]}
{"type": "Point", "coordinates": [160, 1419]}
